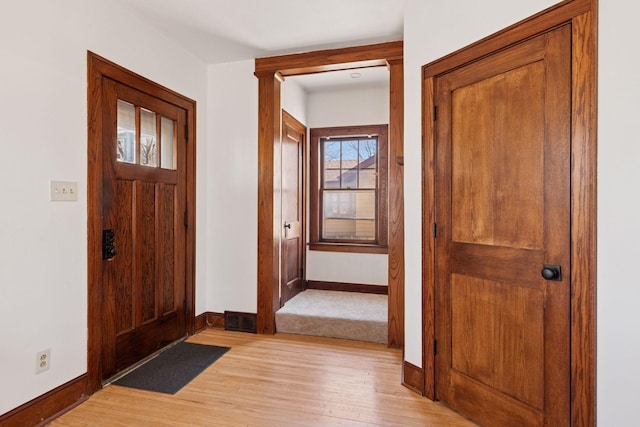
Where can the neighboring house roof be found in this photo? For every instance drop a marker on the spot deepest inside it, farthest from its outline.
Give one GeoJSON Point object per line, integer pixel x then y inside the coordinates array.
{"type": "Point", "coordinates": [350, 175]}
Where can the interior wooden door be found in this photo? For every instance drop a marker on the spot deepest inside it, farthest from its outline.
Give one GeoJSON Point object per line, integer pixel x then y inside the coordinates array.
{"type": "Point", "coordinates": [293, 236]}
{"type": "Point", "coordinates": [144, 209]}
{"type": "Point", "coordinates": [503, 212]}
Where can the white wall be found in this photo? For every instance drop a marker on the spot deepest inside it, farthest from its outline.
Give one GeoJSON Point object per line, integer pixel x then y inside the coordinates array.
{"type": "Point", "coordinates": [232, 193]}
{"type": "Point", "coordinates": [43, 135]}
{"type": "Point", "coordinates": [345, 107]}
{"type": "Point", "coordinates": [618, 214]}
{"type": "Point", "coordinates": [360, 105]}
{"type": "Point", "coordinates": [294, 100]}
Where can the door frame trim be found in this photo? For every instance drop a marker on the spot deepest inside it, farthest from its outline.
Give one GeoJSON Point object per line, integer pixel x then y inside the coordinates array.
{"type": "Point", "coordinates": [270, 72]}
{"type": "Point", "coordinates": [97, 69]}
{"type": "Point", "coordinates": [582, 15]}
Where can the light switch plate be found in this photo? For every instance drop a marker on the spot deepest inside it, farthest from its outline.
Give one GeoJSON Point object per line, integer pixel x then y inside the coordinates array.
{"type": "Point", "coordinates": [64, 191]}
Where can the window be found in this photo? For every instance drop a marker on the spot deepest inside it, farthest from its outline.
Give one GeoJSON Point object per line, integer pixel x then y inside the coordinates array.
{"type": "Point", "coordinates": [144, 151]}
{"type": "Point", "coordinates": [349, 189]}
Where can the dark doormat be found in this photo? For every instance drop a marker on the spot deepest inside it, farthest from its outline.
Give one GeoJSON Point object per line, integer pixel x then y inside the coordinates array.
{"type": "Point", "coordinates": [174, 368]}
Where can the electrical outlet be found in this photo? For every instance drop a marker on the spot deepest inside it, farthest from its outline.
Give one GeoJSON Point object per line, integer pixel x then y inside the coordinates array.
{"type": "Point", "coordinates": [63, 191]}
{"type": "Point", "coordinates": [43, 360]}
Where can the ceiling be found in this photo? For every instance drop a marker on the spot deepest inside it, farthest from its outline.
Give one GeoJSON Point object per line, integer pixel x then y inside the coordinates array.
{"type": "Point", "coordinates": [230, 30]}
{"type": "Point", "coordinates": [372, 76]}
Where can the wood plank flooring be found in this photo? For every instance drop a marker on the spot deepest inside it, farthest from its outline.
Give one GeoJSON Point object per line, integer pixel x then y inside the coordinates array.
{"type": "Point", "coordinates": [282, 380]}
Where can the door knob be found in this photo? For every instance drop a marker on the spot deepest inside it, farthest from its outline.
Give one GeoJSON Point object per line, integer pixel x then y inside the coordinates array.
{"type": "Point", "coordinates": [552, 272]}
{"type": "Point", "coordinates": [287, 225]}
{"type": "Point", "coordinates": [109, 249]}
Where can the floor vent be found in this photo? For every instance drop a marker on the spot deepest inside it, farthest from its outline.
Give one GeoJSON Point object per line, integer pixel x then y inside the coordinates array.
{"type": "Point", "coordinates": [242, 322]}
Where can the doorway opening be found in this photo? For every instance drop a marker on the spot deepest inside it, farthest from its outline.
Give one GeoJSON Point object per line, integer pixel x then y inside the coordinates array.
{"type": "Point", "coordinates": [270, 73]}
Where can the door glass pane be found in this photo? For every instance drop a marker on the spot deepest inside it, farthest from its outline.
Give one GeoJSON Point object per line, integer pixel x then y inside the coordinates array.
{"type": "Point", "coordinates": [126, 147]}
{"type": "Point", "coordinates": [167, 143]}
{"type": "Point", "coordinates": [349, 215]}
{"type": "Point", "coordinates": [148, 138]}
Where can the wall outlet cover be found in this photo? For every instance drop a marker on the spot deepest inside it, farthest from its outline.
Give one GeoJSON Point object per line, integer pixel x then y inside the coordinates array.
{"type": "Point", "coordinates": [43, 360]}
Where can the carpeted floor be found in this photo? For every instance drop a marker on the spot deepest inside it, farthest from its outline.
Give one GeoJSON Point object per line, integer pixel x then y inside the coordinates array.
{"type": "Point", "coordinates": [336, 314]}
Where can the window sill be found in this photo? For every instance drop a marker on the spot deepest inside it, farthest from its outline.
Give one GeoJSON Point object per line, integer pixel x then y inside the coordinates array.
{"type": "Point", "coordinates": [349, 247]}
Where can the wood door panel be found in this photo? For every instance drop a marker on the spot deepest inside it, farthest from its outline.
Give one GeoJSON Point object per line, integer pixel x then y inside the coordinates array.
{"type": "Point", "coordinates": [145, 339]}
{"type": "Point", "coordinates": [166, 251]}
{"type": "Point", "coordinates": [513, 57]}
{"type": "Point", "coordinates": [292, 265]}
{"type": "Point", "coordinates": [134, 172]}
{"type": "Point", "coordinates": [472, 397]}
{"type": "Point", "coordinates": [119, 271]}
{"type": "Point", "coordinates": [498, 263]}
{"type": "Point", "coordinates": [492, 204]}
{"type": "Point", "coordinates": [508, 359]}
{"type": "Point", "coordinates": [145, 219]}
{"type": "Point", "coordinates": [503, 210]}
{"type": "Point", "coordinates": [292, 237]}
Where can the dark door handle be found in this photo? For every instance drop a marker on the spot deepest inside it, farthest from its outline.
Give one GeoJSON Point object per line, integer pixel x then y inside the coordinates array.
{"type": "Point", "coordinates": [552, 272]}
{"type": "Point", "coordinates": [109, 249]}
{"type": "Point", "coordinates": [287, 225]}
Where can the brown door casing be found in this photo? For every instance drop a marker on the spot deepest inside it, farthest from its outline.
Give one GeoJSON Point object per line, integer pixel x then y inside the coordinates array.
{"type": "Point", "coordinates": [270, 72]}
{"type": "Point", "coordinates": [143, 298]}
{"type": "Point", "coordinates": [461, 296]}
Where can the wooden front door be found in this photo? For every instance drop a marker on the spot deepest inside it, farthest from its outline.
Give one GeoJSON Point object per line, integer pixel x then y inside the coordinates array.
{"type": "Point", "coordinates": [293, 234]}
{"type": "Point", "coordinates": [502, 213]}
{"type": "Point", "coordinates": [144, 218]}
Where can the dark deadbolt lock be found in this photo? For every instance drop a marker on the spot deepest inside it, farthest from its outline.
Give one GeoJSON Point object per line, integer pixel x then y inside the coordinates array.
{"type": "Point", "coordinates": [108, 244]}
{"type": "Point", "coordinates": [552, 272]}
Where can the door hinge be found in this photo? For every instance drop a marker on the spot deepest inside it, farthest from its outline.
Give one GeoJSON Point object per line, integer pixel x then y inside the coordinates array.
{"type": "Point", "coordinates": [435, 113]}
{"type": "Point", "coordinates": [435, 347]}
{"type": "Point", "coordinates": [435, 230]}
{"type": "Point", "coordinates": [186, 219]}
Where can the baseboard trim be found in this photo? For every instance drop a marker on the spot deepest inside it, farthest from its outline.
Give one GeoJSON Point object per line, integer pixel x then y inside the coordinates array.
{"type": "Point", "coordinates": [348, 287]}
{"type": "Point", "coordinates": [45, 408]}
{"type": "Point", "coordinates": [200, 322]}
{"type": "Point", "coordinates": [209, 319]}
{"type": "Point", "coordinates": [215, 320]}
{"type": "Point", "coordinates": [413, 377]}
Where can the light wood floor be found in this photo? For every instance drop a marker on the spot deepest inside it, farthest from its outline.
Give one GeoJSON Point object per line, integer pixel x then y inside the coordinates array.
{"type": "Point", "coordinates": [281, 380]}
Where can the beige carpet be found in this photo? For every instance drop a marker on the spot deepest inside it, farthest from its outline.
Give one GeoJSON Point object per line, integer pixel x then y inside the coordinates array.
{"type": "Point", "coordinates": [349, 315]}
